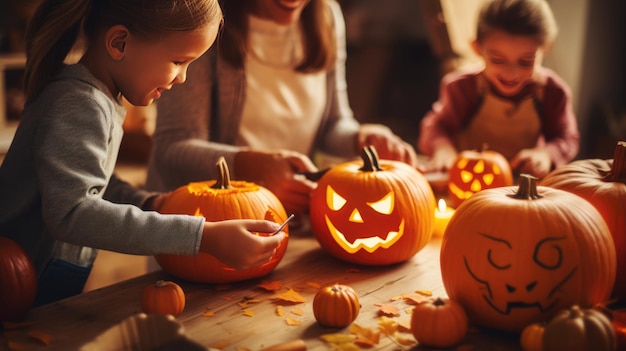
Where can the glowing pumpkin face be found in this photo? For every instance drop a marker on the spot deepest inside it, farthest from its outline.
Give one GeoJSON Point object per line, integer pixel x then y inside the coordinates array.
{"type": "Point", "coordinates": [474, 171]}
{"type": "Point", "coordinates": [374, 212]}
{"type": "Point", "coordinates": [512, 259]}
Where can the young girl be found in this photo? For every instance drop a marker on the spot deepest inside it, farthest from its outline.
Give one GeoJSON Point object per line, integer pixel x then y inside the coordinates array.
{"type": "Point", "coordinates": [513, 104]}
{"type": "Point", "coordinates": [60, 199]}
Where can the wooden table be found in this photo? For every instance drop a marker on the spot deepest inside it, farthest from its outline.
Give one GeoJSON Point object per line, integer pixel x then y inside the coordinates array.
{"type": "Point", "coordinates": [75, 321]}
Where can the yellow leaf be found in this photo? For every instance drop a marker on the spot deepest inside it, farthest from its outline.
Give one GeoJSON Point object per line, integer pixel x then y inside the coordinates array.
{"type": "Point", "coordinates": [291, 296]}
{"type": "Point", "coordinates": [209, 314]}
{"type": "Point", "coordinates": [279, 311]}
{"type": "Point", "coordinates": [248, 313]}
{"type": "Point", "coordinates": [338, 338]}
{"type": "Point", "coordinates": [297, 311]}
{"type": "Point", "coordinates": [387, 325]}
{"type": "Point", "coordinates": [293, 322]}
{"type": "Point", "coordinates": [424, 292]}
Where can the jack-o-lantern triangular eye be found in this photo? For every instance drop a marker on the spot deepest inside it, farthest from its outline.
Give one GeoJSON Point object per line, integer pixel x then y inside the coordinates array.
{"type": "Point", "coordinates": [384, 205]}
{"type": "Point", "coordinates": [334, 201]}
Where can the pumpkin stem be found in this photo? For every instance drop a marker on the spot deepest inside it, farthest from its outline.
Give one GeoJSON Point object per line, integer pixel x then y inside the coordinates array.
{"type": "Point", "coordinates": [223, 175]}
{"type": "Point", "coordinates": [438, 302]}
{"type": "Point", "coordinates": [370, 159]}
{"type": "Point", "coordinates": [527, 188]}
{"type": "Point", "coordinates": [160, 283]}
{"type": "Point", "coordinates": [618, 169]}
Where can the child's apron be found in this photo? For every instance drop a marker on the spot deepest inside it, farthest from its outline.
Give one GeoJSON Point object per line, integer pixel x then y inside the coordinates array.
{"type": "Point", "coordinates": [504, 126]}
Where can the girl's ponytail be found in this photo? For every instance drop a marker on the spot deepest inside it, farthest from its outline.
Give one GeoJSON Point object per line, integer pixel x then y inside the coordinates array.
{"type": "Point", "coordinates": [50, 35]}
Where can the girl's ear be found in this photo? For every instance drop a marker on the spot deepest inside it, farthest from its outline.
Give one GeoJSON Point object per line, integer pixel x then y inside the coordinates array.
{"type": "Point", "coordinates": [115, 41]}
{"type": "Point", "coordinates": [476, 47]}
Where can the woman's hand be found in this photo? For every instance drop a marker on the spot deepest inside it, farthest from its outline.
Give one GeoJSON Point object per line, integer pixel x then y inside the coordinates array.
{"type": "Point", "coordinates": [279, 171]}
{"type": "Point", "coordinates": [536, 162]}
{"type": "Point", "coordinates": [388, 145]}
{"type": "Point", "coordinates": [233, 242]}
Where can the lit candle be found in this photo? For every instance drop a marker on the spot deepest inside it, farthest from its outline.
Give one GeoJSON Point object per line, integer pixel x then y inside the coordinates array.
{"type": "Point", "coordinates": [443, 213]}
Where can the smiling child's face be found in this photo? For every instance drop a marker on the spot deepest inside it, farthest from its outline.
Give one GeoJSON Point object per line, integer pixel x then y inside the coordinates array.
{"type": "Point", "coordinates": [510, 60]}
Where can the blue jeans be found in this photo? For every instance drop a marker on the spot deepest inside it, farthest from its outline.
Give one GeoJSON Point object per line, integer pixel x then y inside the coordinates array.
{"type": "Point", "coordinates": [60, 279]}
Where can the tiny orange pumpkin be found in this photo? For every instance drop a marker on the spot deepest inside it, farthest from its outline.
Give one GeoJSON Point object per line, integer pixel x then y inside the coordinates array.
{"type": "Point", "coordinates": [336, 306]}
{"type": "Point", "coordinates": [163, 297]}
{"type": "Point", "coordinates": [439, 322]}
{"type": "Point", "coordinates": [531, 338]}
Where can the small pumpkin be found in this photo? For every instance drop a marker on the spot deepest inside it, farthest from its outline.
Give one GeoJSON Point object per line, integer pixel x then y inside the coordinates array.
{"type": "Point", "coordinates": [163, 297]}
{"type": "Point", "coordinates": [476, 170]}
{"type": "Point", "coordinates": [374, 212]}
{"type": "Point", "coordinates": [18, 281]}
{"type": "Point", "coordinates": [512, 256]}
{"type": "Point", "coordinates": [217, 200]}
{"type": "Point", "coordinates": [336, 306]}
{"type": "Point", "coordinates": [603, 184]}
{"type": "Point", "coordinates": [579, 329]}
{"type": "Point", "coordinates": [439, 322]}
{"type": "Point", "coordinates": [531, 338]}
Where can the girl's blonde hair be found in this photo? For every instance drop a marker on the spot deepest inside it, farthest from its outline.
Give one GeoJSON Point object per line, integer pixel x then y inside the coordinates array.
{"type": "Point", "coordinates": [316, 19]}
{"type": "Point", "coordinates": [56, 24]}
{"type": "Point", "coordinates": [531, 18]}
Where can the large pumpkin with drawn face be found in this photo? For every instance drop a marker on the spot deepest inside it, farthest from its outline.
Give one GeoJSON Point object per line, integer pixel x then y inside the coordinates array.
{"type": "Point", "coordinates": [513, 256]}
{"type": "Point", "coordinates": [476, 170]}
{"type": "Point", "coordinates": [372, 212]}
{"type": "Point", "coordinates": [217, 200]}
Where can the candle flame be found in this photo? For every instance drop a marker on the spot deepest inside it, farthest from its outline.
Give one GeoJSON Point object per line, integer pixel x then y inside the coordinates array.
{"type": "Point", "coordinates": [442, 205]}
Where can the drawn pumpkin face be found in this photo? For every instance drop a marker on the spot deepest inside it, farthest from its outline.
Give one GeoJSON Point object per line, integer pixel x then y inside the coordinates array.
{"type": "Point", "coordinates": [372, 212]}
{"type": "Point", "coordinates": [475, 170]}
{"type": "Point", "coordinates": [512, 259]}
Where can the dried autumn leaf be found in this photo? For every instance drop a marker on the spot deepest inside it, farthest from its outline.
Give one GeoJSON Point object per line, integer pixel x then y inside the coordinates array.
{"type": "Point", "coordinates": [297, 311]}
{"type": "Point", "coordinates": [364, 336]}
{"type": "Point", "coordinates": [208, 314]}
{"type": "Point", "coordinates": [248, 313]}
{"type": "Point", "coordinates": [271, 285]}
{"type": "Point", "coordinates": [424, 292]}
{"type": "Point", "coordinates": [404, 325]}
{"type": "Point", "coordinates": [405, 340]}
{"type": "Point", "coordinates": [247, 301]}
{"type": "Point", "coordinates": [279, 311]}
{"type": "Point", "coordinates": [291, 296]}
{"type": "Point", "coordinates": [386, 309]}
{"type": "Point", "coordinates": [387, 325]}
{"type": "Point", "coordinates": [293, 322]}
{"type": "Point", "coordinates": [414, 299]}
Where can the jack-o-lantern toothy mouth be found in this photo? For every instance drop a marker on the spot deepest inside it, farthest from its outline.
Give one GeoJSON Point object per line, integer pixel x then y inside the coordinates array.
{"type": "Point", "coordinates": [369, 244]}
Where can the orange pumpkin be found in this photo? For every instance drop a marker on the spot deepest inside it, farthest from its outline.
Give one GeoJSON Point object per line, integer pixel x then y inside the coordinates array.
{"type": "Point", "coordinates": [476, 170]}
{"type": "Point", "coordinates": [439, 322]}
{"type": "Point", "coordinates": [336, 306]}
{"type": "Point", "coordinates": [374, 212]}
{"type": "Point", "coordinates": [603, 184]}
{"type": "Point", "coordinates": [163, 297]}
{"type": "Point", "coordinates": [531, 338]}
{"type": "Point", "coordinates": [218, 200]}
{"type": "Point", "coordinates": [512, 256]}
{"type": "Point", "coordinates": [18, 281]}
{"type": "Point", "coordinates": [579, 329]}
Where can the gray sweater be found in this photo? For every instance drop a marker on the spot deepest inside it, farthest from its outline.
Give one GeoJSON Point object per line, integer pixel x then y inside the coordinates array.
{"type": "Point", "coordinates": [58, 194]}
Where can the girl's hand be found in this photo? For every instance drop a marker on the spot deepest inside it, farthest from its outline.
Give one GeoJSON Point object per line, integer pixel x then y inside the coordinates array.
{"type": "Point", "coordinates": [233, 242]}
{"type": "Point", "coordinates": [388, 145]}
{"type": "Point", "coordinates": [536, 162]}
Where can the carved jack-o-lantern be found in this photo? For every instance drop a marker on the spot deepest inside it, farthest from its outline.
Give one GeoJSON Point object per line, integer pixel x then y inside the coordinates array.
{"type": "Point", "coordinates": [476, 170]}
{"type": "Point", "coordinates": [514, 258]}
{"type": "Point", "coordinates": [218, 200]}
{"type": "Point", "coordinates": [374, 212]}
